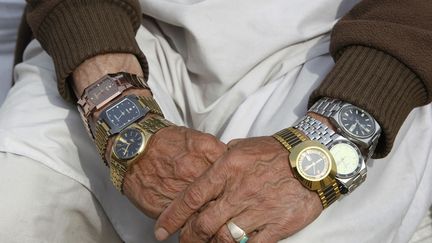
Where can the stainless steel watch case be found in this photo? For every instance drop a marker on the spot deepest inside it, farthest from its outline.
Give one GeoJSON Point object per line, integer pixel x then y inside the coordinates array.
{"type": "Point", "coordinates": [317, 130]}
{"type": "Point", "coordinates": [350, 182]}
{"type": "Point", "coordinates": [366, 144]}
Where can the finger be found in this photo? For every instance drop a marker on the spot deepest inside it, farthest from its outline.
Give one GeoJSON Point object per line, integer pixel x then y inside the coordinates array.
{"type": "Point", "coordinates": [223, 236]}
{"type": "Point", "coordinates": [203, 190]}
{"type": "Point", "coordinates": [234, 142]}
{"type": "Point", "coordinates": [248, 222]}
{"type": "Point", "coordinates": [208, 222]}
{"type": "Point", "coordinates": [213, 148]}
{"type": "Point", "coordinates": [265, 236]}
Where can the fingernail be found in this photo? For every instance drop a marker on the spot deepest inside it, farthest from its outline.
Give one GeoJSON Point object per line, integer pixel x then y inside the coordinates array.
{"type": "Point", "coordinates": [161, 234]}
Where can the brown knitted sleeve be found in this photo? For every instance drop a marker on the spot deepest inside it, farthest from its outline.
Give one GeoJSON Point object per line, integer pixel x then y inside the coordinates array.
{"type": "Point", "coordinates": [383, 53]}
{"type": "Point", "coordinates": [72, 31]}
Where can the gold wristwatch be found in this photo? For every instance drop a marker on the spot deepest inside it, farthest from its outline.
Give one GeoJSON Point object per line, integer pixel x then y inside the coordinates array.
{"type": "Point", "coordinates": [120, 115]}
{"type": "Point", "coordinates": [312, 164]}
{"type": "Point", "coordinates": [129, 144]}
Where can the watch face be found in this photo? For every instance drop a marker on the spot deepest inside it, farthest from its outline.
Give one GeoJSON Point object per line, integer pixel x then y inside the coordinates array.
{"type": "Point", "coordinates": [347, 158]}
{"type": "Point", "coordinates": [313, 164]}
{"type": "Point", "coordinates": [123, 113]}
{"type": "Point", "coordinates": [102, 91]}
{"type": "Point", "coordinates": [129, 143]}
{"type": "Point", "coordinates": [356, 122]}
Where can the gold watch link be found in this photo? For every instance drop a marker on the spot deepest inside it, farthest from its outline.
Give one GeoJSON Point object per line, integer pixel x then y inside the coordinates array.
{"type": "Point", "coordinates": [290, 138]}
{"type": "Point", "coordinates": [154, 124]}
{"type": "Point", "coordinates": [102, 129]}
{"type": "Point", "coordinates": [101, 139]}
{"type": "Point", "coordinates": [151, 104]}
{"type": "Point", "coordinates": [118, 167]}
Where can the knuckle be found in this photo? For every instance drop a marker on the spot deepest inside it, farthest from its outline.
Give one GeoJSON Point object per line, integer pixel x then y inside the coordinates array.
{"type": "Point", "coordinates": [223, 237]}
{"type": "Point", "coordinates": [205, 229]}
{"type": "Point", "coordinates": [193, 199]}
{"type": "Point", "coordinates": [202, 231]}
{"type": "Point", "coordinates": [234, 142]}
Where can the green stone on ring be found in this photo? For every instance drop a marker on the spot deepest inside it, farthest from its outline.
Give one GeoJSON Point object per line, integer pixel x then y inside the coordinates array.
{"type": "Point", "coordinates": [244, 239]}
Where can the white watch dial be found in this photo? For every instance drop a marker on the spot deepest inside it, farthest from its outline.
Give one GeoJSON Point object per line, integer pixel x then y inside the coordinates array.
{"type": "Point", "coordinates": [347, 158]}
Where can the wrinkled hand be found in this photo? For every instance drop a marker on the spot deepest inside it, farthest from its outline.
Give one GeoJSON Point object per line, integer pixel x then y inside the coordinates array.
{"type": "Point", "coordinates": [253, 186]}
{"type": "Point", "coordinates": [174, 157]}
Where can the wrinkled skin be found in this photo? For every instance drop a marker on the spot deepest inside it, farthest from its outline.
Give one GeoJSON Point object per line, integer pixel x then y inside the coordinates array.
{"type": "Point", "coordinates": [252, 185]}
{"type": "Point", "coordinates": [174, 158]}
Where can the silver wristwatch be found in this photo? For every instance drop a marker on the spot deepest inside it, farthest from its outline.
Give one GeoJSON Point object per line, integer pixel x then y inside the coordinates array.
{"type": "Point", "coordinates": [352, 122]}
{"type": "Point", "coordinates": [350, 164]}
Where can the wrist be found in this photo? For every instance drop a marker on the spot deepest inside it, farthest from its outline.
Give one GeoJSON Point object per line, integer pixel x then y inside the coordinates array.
{"type": "Point", "coordinates": [135, 91]}
{"type": "Point", "coordinates": [96, 67]}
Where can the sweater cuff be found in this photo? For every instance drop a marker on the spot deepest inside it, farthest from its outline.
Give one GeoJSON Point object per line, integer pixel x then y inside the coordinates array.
{"type": "Point", "coordinates": [75, 31]}
{"type": "Point", "coordinates": [377, 83]}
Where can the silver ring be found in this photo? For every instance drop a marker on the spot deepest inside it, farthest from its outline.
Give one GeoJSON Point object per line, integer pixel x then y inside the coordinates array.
{"type": "Point", "coordinates": [237, 233]}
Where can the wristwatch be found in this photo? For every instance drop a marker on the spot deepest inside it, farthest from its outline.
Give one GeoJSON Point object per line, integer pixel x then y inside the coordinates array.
{"type": "Point", "coordinates": [129, 144]}
{"type": "Point", "coordinates": [120, 115]}
{"type": "Point", "coordinates": [312, 164]}
{"type": "Point", "coordinates": [352, 122]}
{"type": "Point", "coordinates": [105, 90]}
{"type": "Point", "coordinates": [351, 167]}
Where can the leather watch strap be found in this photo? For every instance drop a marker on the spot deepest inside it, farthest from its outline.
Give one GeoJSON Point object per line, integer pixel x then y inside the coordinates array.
{"type": "Point", "coordinates": [291, 137]}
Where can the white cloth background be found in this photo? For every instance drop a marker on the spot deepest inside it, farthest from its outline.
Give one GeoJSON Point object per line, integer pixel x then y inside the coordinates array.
{"type": "Point", "coordinates": [10, 16]}
{"type": "Point", "coordinates": [250, 98]}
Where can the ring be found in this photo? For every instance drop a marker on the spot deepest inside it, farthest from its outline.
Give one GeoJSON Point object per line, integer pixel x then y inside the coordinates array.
{"type": "Point", "coordinates": [237, 233]}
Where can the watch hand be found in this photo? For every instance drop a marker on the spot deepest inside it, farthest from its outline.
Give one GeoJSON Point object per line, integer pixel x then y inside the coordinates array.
{"type": "Point", "coordinates": [126, 149]}
{"type": "Point", "coordinates": [310, 166]}
{"type": "Point", "coordinates": [353, 126]}
{"type": "Point", "coordinates": [364, 128]}
{"type": "Point", "coordinates": [123, 140]}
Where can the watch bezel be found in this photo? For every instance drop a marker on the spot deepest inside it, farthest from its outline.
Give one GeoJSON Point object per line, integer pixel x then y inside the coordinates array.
{"type": "Point", "coordinates": [313, 185]}
{"type": "Point", "coordinates": [114, 129]}
{"type": "Point", "coordinates": [345, 130]}
{"type": "Point", "coordinates": [140, 149]}
{"type": "Point", "coordinates": [359, 155]}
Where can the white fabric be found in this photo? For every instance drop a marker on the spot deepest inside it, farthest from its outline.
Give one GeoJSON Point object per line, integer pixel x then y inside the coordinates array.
{"type": "Point", "coordinates": [233, 92]}
{"type": "Point", "coordinates": [10, 15]}
{"type": "Point", "coordinates": [41, 205]}
{"type": "Point", "coordinates": [233, 48]}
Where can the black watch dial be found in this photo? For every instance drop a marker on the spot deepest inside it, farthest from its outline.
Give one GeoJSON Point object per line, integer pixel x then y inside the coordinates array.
{"type": "Point", "coordinates": [102, 91]}
{"type": "Point", "coordinates": [356, 122]}
{"type": "Point", "coordinates": [313, 164]}
{"type": "Point", "coordinates": [129, 143]}
{"type": "Point", "coordinates": [123, 113]}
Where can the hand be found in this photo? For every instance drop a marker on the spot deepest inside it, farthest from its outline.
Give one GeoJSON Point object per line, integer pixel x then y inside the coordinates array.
{"type": "Point", "coordinates": [174, 157]}
{"type": "Point", "coordinates": [253, 186]}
